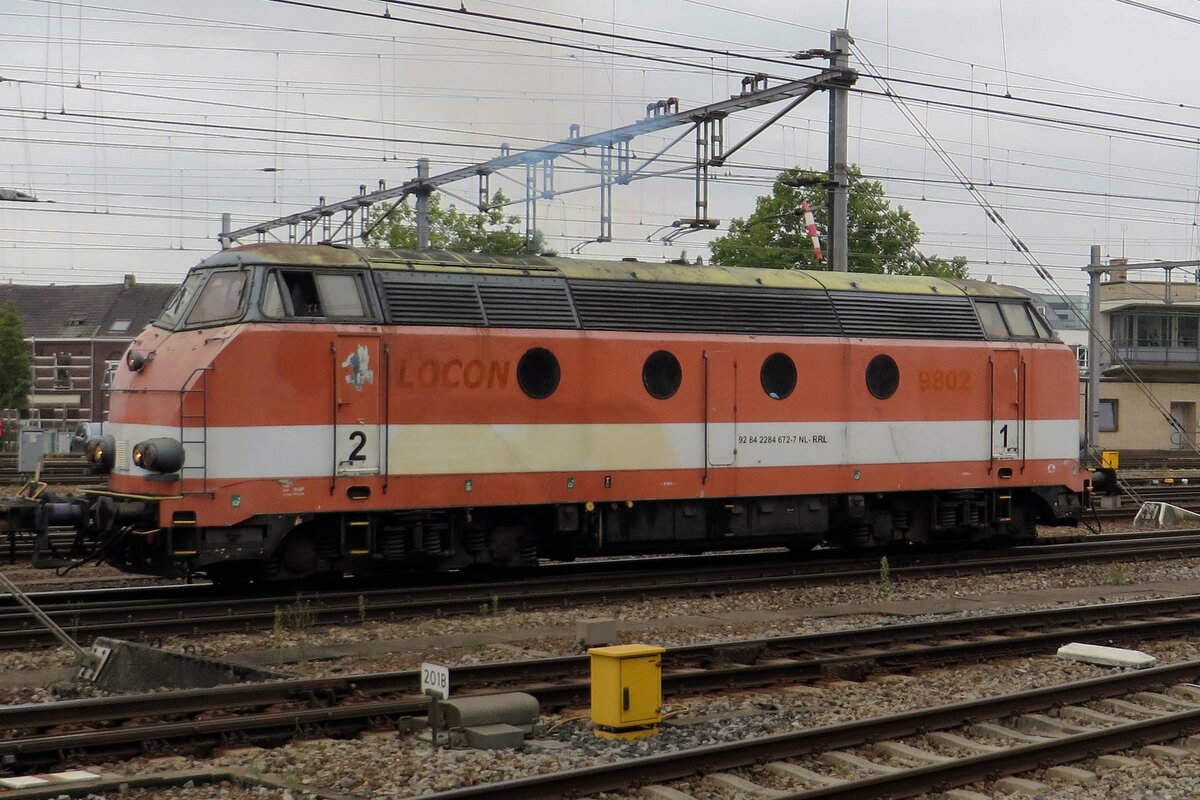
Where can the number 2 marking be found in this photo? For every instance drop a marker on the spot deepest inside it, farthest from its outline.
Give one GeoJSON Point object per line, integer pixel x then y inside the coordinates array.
{"type": "Point", "coordinates": [356, 453]}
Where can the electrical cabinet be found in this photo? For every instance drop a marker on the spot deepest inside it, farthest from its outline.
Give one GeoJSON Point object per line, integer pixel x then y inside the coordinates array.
{"type": "Point", "coordinates": [626, 689]}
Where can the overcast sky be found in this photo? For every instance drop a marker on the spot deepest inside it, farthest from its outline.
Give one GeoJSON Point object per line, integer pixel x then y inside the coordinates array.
{"type": "Point", "coordinates": [138, 122]}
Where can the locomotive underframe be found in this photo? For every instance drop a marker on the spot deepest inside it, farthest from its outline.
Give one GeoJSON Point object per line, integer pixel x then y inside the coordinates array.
{"type": "Point", "coordinates": [286, 547]}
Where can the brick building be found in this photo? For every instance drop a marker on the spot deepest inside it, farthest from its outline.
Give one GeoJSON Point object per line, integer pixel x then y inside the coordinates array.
{"type": "Point", "coordinates": [75, 334]}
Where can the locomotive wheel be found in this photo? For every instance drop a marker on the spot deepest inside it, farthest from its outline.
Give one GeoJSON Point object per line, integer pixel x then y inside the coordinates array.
{"type": "Point", "coordinates": [298, 557]}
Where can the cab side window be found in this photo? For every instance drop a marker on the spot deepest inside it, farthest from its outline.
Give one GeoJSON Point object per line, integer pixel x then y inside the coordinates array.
{"type": "Point", "coordinates": [1017, 317]}
{"type": "Point", "coordinates": [339, 295]}
{"type": "Point", "coordinates": [993, 323]}
{"type": "Point", "coordinates": [312, 295]}
{"type": "Point", "coordinates": [1011, 321]}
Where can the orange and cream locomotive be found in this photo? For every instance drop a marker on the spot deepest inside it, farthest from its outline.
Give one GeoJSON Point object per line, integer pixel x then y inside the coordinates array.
{"type": "Point", "coordinates": [311, 409]}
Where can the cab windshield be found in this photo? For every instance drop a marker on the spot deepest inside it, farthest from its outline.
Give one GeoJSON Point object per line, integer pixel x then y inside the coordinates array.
{"type": "Point", "coordinates": [173, 311]}
{"type": "Point", "coordinates": [206, 298]}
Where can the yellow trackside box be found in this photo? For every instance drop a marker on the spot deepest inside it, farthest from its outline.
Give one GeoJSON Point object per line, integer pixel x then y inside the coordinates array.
{"type": "Point", "coordinates": [1110, 459]}
{"type": "Point", "coordinates": [627, 688]}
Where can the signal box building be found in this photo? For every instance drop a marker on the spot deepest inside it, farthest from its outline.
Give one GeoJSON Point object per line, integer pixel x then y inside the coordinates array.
{"type": "Point", "coordinates": [1154, 327]}
{"type": "Point", "coordinates": [76, 333]}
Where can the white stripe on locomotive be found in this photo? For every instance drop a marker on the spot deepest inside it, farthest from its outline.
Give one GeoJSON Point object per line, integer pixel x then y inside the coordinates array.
{"type": "Point", "coordinates": [307, 450]}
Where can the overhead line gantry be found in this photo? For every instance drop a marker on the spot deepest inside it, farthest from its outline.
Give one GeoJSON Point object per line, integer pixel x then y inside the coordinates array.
{"type": "Point", "coordinates": [616, 163]}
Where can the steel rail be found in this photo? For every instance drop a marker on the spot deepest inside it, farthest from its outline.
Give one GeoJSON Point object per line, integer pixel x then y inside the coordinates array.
{"type": "Point", "coordinates": [790, 658]}
{"type": "Point", "coordinates": [123, 619]}
{"type": "Point", "coordinates": [682, 764]}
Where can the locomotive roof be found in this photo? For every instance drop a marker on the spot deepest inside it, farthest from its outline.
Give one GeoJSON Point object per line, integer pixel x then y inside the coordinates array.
{"type": "Point", "coordinates": [335, 256]}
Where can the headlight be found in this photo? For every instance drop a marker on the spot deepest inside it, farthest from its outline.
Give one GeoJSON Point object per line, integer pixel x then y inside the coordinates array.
{"type": "Point", "coordinates": [159, 455]}
{"type": "Point", "coordinates": [101, 453]}
{"type": "Point", "coordinates": [135, 360]}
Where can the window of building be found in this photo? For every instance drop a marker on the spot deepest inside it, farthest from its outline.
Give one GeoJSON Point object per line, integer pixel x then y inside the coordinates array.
{"type": "Point", "coordinates": [1123, 330]}
{"type": "Point", "coordinates": [1184, 330]}
{"type": "Point", "coordinates": [62, 370]}
{"type": "Point", "coordinates": [1108, 416]}
{"type": "Point", "coordinates": [121, 325]}
{"type": "Point", "coordinates": [1151, 330]}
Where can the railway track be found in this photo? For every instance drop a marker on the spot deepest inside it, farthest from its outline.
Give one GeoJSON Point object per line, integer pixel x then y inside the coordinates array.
{"type": "Point", "coordinates": [151, 612]}
{"type": "Point", "coordinates": [274, 712]}
{"type": "Point", "coordinates": [965, 736]}
{"type": "Point", "coordinates": [65, 469]}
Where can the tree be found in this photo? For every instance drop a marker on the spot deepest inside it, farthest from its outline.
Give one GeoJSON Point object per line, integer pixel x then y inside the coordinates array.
{"type": "Point", "coordinates": [489, 231]}
{"type": "Point", "coordinates": [16, 374]}
{"type": "Point", "coordinates": [881, 238]}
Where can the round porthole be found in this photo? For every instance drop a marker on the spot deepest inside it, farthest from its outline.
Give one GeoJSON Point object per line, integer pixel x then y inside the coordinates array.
{"type": "Point", "coordinates": [661, 374]}
{"type": "Point", "coordinates": [883, 376]}
{"type": "Point", "coordinates": [538, 373]}
{"type": "Point", "coordinates": [778, 376]}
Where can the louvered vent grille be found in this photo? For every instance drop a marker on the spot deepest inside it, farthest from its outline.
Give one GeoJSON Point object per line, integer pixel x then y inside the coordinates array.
{"type": "Point", "coordinates": [877, 314]}
{"type": "Point", "coordinates": [422, 303]}
{"type": "Point", "coordinates": [528, 305]}
{"type": "Point", "coordinates": [692, 308]}
{"type": "Point", "coordinates": [529, 302]}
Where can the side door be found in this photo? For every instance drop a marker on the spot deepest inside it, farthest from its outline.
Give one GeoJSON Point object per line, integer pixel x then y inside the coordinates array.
{"type": "Point", "coordinates": [720, 408]}
{"type": "Point", "coordinates": [358, 378]}
{"type": "Point", "coordinates": [1008, 406]}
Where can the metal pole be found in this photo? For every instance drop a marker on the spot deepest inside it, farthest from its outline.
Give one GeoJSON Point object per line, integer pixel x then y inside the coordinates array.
{"type": "Point", "coordinates": [82, 656]}
{"type": "Point", "coordinates": [226, 227]}
{"type": "Point", "coordinates": [423, 205]}
{"type": "Point", "coordinates": [1093, 395]}
{"type": "Point", "coordinates": [839, 145]}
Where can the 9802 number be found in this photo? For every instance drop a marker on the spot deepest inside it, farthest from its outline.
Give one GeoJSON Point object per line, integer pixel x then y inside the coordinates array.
{"type": "Point", "coordinates": [944, 380]}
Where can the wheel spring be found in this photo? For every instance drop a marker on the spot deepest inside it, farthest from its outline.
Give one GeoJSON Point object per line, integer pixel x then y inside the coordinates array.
{"type": "Point", "coordinates": [395, 543]}
{"type": "Point", "coordinates": [433, 536]}
{"type": "Point", "coordinates": [947, 516]}
{"type": "Point", "coordinates": [475, 540]}
{"type": "Point", "coordinates": [328, 545]}
{"type": "Point", "coordinates": [529, 550]}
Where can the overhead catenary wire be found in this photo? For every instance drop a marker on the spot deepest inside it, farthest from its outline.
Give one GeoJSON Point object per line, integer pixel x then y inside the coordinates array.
{"type": "Point", "coordinates": [997, 219]}
{"type": "Point", "coordinates": [618, 55]}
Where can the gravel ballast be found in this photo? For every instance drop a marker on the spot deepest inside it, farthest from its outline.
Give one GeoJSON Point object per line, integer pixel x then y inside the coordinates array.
{"type": "Point", "coordinates": [399, 765]}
